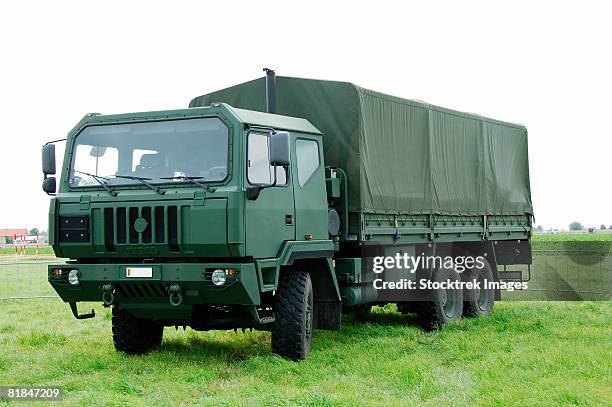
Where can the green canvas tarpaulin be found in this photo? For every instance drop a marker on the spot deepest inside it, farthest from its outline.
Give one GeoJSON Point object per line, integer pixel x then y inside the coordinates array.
{"type": "Point", "coordinates": [403, 156]}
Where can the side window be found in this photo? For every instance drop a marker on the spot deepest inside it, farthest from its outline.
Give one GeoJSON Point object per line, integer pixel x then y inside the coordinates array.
{"type": "Point", "coordinates": [307, 155]}
{"type": "Point", "coordinates": [259, 170]}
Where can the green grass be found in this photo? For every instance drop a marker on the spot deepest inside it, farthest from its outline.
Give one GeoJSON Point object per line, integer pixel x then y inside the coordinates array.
{"type": "Point", "coordinates": [574, 236]}
{"type": "Point", "coordinates": [573, 242]}
{"type": "Point", "coordinates": [24, 277]}
{"type": "Point", "coordinates": [525, 354]}
{"type": "Point", "coordinates": [30, 251]}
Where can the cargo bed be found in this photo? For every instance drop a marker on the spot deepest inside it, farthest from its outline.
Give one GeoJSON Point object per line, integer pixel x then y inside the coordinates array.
{"type": "Point", "coordinates": [416, 172]}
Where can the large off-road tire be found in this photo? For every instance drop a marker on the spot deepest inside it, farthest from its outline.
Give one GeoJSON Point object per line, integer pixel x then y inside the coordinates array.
{"type": "Point", "coordinates": [479, 302]}
{"type": "Point", "coordinates": [407, 307]}
{"type": "Point", "coordinates": [442, 306]}
{"type": "Point", "coordinates": [293, 309]}
{"type": "Point", "coordinates": [362, 312]}
{"type": "Point", "coordinates": [135, 335]}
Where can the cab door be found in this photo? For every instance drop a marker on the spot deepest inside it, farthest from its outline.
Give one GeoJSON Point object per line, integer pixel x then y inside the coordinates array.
{"type": "Point", "coordinates": [308, 179]}
{"type": "Point", "coordinates": [270, 219]}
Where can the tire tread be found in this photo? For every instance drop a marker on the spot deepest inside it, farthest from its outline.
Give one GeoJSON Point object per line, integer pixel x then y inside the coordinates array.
{"type": "Point", "coordinates": [133, 335]}
{"type": "Point", "coordinates": [290, 304]}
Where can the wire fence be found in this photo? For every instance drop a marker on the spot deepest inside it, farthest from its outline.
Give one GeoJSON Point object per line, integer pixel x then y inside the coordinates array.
{"type": "Point", "coordinates": [566, 275]}
{"type": "Point", "coordinates": [25, 278]}
{"type": "Point", "coordinates": [553, 275]}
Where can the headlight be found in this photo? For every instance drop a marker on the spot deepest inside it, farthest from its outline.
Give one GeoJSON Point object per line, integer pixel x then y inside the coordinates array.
{"type": "Point", "coordinates": [218, 277]}
{"type": "Point", "coordinates": [73, 277]}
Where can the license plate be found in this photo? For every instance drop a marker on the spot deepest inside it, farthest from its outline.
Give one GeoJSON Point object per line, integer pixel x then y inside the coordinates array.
{"type": "Point", "coordinates": [139, 272]}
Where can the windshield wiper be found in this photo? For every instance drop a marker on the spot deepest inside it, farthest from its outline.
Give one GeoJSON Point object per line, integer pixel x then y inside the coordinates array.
{"type": "Point", "coordinates": [143, 181]}
{"type": "Point", "coordinates": [193, 180]}
{"type": "Point", "coordinates": [99, 179]}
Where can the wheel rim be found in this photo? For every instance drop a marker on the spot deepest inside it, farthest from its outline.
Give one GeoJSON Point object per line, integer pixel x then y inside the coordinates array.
{"type": "Point", "coordinates": [482, 294]}
{"type": "Point", "coordinates": [450, 302]}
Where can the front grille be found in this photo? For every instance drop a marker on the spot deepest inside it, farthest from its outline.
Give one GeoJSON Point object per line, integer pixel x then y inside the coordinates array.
{"type": "Point", "coordinates": [142, 290]}
{"type": "Point", "coordinates": [109, 229]}
{"type": "Point", "coordinates": [162, 226]}
{"type": "Point", "coordinates": [146, 235]}
{"type": "Point", "coordinates": [132, 231]}
{"type": "Point", "coordinates": [159, 224]}
{"type": "Point", "coordinates": [121, 228]}
{"type": "Point", "coordinates": [173, 228]}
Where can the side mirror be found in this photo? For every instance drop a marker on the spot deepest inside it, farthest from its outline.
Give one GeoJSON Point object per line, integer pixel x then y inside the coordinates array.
{"type": "Point", "coordinates": [48, 159]}
{"type": "Point", "coordinates": [279, 149]}
{"type": "Point", "coordinates": [48, 185]}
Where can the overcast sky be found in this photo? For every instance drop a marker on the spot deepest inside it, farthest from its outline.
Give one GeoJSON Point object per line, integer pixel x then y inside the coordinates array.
{"type": "Point", "coordinates": [546, 66]}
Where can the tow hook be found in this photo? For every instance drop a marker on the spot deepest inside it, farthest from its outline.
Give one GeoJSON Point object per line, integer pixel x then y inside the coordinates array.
{"type": "Point", "coordinates": [176, 295]}
{"type": "Point", "coordinates": [73, 307]}
{"type": "Point", "coordinates": [108, 295]}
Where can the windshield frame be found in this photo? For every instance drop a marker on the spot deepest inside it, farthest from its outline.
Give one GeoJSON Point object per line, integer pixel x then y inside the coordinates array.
{"type": "Point", "coordinates": [69, 160]}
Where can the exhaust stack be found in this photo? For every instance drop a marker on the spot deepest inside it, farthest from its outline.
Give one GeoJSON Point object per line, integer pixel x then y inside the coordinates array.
{"type": "Point", "coordinates": [270, 90]}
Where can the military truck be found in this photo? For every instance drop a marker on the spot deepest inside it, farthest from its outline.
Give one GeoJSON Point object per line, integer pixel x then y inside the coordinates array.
{"type": "Point", "coordinates": [256, 206]}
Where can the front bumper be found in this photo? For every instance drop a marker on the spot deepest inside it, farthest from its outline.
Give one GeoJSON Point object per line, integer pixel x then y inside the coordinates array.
{"type": "Point", "coordinates": [152, 292]}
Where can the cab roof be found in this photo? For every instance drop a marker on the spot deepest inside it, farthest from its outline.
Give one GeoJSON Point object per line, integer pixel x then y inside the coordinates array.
{"type": "Point", "coordinates": [248, 117]}
{"type": "Point", "coordinates": [275, 121]}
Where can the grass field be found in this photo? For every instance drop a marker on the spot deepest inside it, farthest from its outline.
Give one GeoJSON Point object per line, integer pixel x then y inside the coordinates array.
{"type": "Point", "coordinates": [525, 354]}
{"type": "Point", "coordinates": [574, 236]}
{"type": "Point", "coordinates": [30, 251]}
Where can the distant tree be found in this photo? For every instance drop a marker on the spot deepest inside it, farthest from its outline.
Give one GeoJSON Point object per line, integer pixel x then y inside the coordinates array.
{"type": "Point", "coordinates": [576, 226]}
{"type": "Point", "coordinates": [34, 232]}
{"type": "Point", "coordinates": [602, 227]}
{"type": "Point", "coordinates": [44, 233]}
{"type": "Point", "coordinates": [540, 228]}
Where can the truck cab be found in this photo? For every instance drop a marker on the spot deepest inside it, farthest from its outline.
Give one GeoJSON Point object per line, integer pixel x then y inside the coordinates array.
{"type": "Point", "coordinates": [186, 218]}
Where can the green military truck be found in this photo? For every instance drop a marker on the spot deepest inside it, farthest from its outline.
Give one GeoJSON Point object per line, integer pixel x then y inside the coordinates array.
{"type": "Point", "coordinates": [256, 207]}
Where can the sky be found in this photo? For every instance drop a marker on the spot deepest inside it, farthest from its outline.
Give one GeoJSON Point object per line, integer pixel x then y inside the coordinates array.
{"type": "Point", "coordinates": [545, 65]}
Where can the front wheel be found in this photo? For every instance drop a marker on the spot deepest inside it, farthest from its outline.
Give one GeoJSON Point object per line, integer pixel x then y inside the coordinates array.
{"type": "Point", "coordinates": [293, 309]}
{"type": "Point", "coordinates": [133, 335]}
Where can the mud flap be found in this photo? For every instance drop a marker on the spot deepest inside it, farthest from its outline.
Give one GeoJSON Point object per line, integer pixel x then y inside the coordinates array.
{"type": "Point", "coordinates": [327, 315]}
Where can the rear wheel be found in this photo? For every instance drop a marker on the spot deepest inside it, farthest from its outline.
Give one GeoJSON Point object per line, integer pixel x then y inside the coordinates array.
{"type": "Point", "coordinates": [444, 305]}
{"type": "Point", "coordinates": [293, 310]}
{"type": "Point", "coordinates": [135, 335]}
{"type": "Point", "coordinates": [407, 307]}
{"type": "Point", "coordinates": [479, 302]}
{"type": "Point", "coordinates": [362, 311]}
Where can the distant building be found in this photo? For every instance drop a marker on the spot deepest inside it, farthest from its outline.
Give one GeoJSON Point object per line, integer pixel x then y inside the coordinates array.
{"type": "Point", "coordinates": [7, 235]}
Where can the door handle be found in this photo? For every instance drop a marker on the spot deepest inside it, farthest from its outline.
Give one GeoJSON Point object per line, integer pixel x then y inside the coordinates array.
{"type": "Point", "coordinates": [288, 220]}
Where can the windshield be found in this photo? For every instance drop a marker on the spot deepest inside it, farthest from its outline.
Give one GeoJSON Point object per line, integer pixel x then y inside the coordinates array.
{"type": "Point", "coordinates": [164, 151]}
